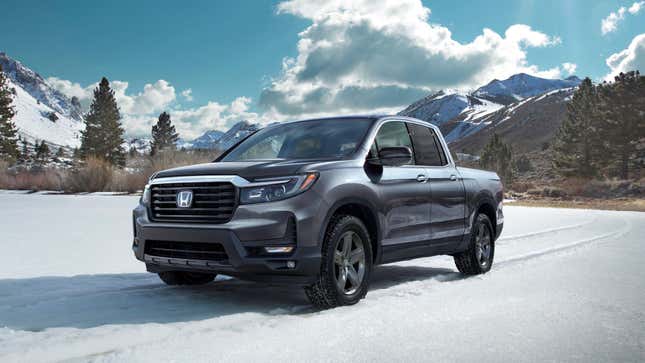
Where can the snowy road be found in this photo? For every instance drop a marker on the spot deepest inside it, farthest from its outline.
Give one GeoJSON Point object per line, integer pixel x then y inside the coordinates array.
{"type": "Point", "coordinates": [568, 285]}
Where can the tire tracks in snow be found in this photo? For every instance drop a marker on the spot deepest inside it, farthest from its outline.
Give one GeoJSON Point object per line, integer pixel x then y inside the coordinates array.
{"type": "Point", "coordinates": [404, 289]}
{"type": "Point", "coordinates": [566, 246]}
{"type": "Point", "coordinates": [542, 232]}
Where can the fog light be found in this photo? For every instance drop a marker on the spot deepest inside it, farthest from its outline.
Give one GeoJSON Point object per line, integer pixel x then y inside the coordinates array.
{"type": "Point", "coordinates": [291, 264]}
{"type": "Point", "coordinates": [281, 249]}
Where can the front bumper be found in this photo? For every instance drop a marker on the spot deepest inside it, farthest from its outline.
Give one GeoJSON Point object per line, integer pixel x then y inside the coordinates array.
{"type": "Point", "coordinates": [252, 226]}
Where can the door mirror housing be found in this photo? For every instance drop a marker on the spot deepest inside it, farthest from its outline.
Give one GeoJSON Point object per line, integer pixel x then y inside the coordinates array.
{"type": "Point", "coordinates": [393, 156]}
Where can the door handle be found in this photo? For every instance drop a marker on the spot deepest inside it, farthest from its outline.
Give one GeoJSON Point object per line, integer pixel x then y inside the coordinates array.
{"type": "Point", "coordinates": [453, 177]}
{"type": "Point", "coordinates": [421, 178]}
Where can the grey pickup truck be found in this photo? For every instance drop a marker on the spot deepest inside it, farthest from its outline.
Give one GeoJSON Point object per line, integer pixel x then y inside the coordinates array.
{"type": "Point", "coordinates": [319, 203]}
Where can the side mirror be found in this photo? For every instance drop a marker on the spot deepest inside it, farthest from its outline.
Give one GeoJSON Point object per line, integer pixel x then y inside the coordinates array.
{"type": "Point", "coordinates": [393, 156]}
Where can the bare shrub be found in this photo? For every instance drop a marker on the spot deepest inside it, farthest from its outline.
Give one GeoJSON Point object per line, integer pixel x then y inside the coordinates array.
{"type": "Point", "coordinates": [167, 159]}
{"type": "Point", "coordinates": [554, 192]}
{"type": "Point", "coordinates": [135, 176]}
{"type": "Point", "coordinates": [93, 175]}
{"type": "Point", "coordinates": [521, 186]}
{"type": "Point", "coordinates": [30, 178]}
{"type": "Point", "coordinates": [4, 176]}
{"type": "Point", "coordinates": [548, 191]}
{"type": "Point", "coordinates": [128, 181]}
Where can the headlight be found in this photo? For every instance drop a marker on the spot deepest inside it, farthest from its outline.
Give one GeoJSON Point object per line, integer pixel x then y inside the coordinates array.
{"type": "Point", "coordinates": [145, 196]}
{"type": "Point", "coordinates": [270, 190]}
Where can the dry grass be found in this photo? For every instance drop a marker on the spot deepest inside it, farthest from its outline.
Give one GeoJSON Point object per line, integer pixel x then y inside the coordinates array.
{"type": "Point", "coordinates": [94, 175]}
{"type": "Point", "coordinates": [36, 178]}
{"type": "Point", "coordinates": [128, 182]}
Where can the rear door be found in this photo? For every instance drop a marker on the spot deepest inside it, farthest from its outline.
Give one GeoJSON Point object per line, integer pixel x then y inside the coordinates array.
{"type": "Point", "coordinates": [447, 213]}
{"type": "Point", "coordinates": [403, 190]}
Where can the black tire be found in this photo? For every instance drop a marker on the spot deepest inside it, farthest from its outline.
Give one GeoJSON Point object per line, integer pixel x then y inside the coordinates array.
{"type": "Point", "coordinates": [326, 292]}
{"type": "Point", "coordinates": [477, 259]}
{"type": "Point", "coordinates": [185, 278]}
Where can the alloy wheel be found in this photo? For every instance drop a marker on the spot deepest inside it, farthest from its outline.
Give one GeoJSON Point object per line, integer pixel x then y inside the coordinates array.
{"type": "Point", "coordinates": [349, 263]}
{"type": "Point", "coordinates": [483, 245]}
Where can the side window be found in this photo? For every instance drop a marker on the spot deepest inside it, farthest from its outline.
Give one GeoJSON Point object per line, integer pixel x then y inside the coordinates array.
{"type": "Point", "coordinates": [392, 134]}
{"type": "Point", "coordinates": [427, 149]}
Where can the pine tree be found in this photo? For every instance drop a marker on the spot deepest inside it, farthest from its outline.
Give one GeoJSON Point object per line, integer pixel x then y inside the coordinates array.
{"type": "Point", "coordinates": [622, 111]}
{"type": "Point", "coordinates": [578, 146]}
{"type": "Point", "coordinates": [8, 131]}
{"type": "Point", "coordinates": [60, 153]}
{"type": "Point", "coordinates": [164, 135]}
{"type": "Point", "coordinates": [24, 154]}
{"type": "Point", "coordinates": [103, 134]}
{"type": "Point", "coordinates": [133, 152]}
{"type": "Point", "coordinates": [498, 156]}
{"type": "Point", "coordinates": [42, 151]}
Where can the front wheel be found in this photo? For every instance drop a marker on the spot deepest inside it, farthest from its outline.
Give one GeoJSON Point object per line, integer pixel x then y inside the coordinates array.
{"type": "Point", "coordinates": [478, 258]}
{"type": "Point", "coordinates": [346, 264]}
{"type": "Point", "coordinates": [185, 278]}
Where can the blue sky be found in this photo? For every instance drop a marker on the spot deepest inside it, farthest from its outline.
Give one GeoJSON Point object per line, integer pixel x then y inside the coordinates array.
{"type": "Point", "coordinates": [232, 54]}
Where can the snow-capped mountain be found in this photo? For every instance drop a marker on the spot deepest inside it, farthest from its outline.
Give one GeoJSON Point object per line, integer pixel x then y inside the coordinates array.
{"type": "Point", "coordinates": [236, 133]}
{"type": "Point", "coordinates": [442, 107]}
{"type": "Point", "coordinates": [521, 86]}
{"type": "Point", "coordinates": [215, 139]}
{"type": "Point", "coordinates": [205, 141]}
{"type": "Point", "coordinates": [32, 83]}
{"type": "Point", "coordinates": [527, 125]}
{"type": "Point", "coordinates": [461, 114]}
{"type": "Point", "coordinates": [43, 113]}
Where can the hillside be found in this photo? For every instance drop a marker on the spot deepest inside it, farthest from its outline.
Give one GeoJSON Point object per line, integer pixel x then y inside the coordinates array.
{"type": "Point", "coordinates": [527, 125]}
{"type": "Point", "coordinates": [43, 113]}
{"type": "Point", "coordinates": [525, 110]}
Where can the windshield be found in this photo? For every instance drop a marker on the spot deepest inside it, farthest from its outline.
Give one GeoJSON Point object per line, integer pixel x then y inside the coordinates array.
{"type": "Point", "coordinates": [316, 139]}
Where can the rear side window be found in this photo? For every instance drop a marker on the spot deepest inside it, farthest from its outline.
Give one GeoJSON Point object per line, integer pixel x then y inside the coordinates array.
{"type": "Point", "coordinates": [427, 149]}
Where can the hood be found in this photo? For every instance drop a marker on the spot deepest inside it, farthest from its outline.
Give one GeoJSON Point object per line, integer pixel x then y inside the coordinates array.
{"type": "Point", "coordinates": [250, 169]}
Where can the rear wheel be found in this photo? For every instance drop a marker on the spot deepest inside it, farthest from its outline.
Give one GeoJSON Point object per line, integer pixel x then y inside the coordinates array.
{"type": "Point", "coordinates": [346, 264]}
{"type": "Point", "coordinates": [478, 258]}
{"type": "Point", "coordinates": [185, 278]}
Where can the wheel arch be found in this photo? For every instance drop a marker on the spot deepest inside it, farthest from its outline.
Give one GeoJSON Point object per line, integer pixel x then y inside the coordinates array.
{"type": "Point", "coordinates": [486, 205]}
{"type": "Point", "coordinates": [366, 212]}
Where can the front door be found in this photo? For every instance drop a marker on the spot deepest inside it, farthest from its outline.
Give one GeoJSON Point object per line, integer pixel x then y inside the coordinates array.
{"type": "Point", "coordinates": [404, 192]}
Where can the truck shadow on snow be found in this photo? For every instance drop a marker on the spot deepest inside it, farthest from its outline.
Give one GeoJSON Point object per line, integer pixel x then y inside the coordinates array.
{"type": "Point", "coordinates": [87, 301]}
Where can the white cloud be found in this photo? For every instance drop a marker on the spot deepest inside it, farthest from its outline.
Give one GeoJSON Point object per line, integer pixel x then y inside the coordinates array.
{"type": "Point", "coordinates": [610, 23]}
{"type": "Point", "coordinates": [140, 110]}
{"type": "Point", "coordinates": [155, 97]}
{"type": "Point", "coordinates": [187, 94]}
{"type": "Point", "coordinates": [376, 55]}
{"type": "Point", "coordinates": [569, 68]}
{"type": "Point", "coordinates": [72, 89]}
{"type": "Point", "coordinates": [630, 59]}
{"type": "Point", "coordinates": [636, 7]}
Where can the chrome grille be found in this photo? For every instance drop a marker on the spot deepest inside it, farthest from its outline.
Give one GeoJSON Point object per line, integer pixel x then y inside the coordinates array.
{"type": "Point", "coordinates": [212, 202]}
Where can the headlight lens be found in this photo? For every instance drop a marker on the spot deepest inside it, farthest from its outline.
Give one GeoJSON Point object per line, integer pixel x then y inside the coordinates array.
{"type": "Point", "coordinates": [145, 196]}
{"type": "Point", "coordinates": [283, 188]}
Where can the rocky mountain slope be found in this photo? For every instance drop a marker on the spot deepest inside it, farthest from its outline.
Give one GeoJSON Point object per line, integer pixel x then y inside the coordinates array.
{"type": "Point", "coordinates": [527, 125]}
{"type": "Point", "coordinates": [43, 113]}
{"type": "Point", "coordinates": [236, 133]}
{"type": "Point", "coordinates": [205, 141]}
{"type": "Point", "coordinates": [525, 110]}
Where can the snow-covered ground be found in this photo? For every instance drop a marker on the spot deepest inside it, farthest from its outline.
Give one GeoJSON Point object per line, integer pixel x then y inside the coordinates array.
{"type": "Point", "coordinates": [568, 285]}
